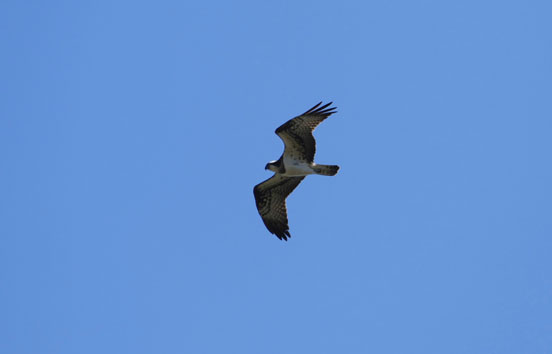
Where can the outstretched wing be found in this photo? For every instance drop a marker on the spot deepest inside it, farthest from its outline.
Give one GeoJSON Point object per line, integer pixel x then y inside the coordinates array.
{"type": "Point", "coordinates": [270, 197]}
{"type": "Point", "coordinates": [297, 132]}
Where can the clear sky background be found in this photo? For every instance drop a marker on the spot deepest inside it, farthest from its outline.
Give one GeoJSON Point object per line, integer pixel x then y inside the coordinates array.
{"type": "Point", "coordinates": [132, 134]}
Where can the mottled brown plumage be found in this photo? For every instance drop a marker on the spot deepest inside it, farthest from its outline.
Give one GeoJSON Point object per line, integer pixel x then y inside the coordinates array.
{"type": "Point", "coordinates": [297, 132]}
{"type": "Point", "coordinates": [270, 197]}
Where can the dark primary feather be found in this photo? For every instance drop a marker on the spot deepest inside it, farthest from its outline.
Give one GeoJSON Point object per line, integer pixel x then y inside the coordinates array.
{"type": "Point", "coordinates": [297, 132]}
{"type": "Point", "coordinates": [270, 197]}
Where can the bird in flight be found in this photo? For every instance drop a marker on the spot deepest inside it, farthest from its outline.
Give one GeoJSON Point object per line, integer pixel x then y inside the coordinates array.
{"type": "Point", "coordinates": [290, 169]}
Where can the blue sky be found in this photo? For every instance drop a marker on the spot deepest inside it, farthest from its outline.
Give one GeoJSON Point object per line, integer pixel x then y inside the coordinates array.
{"type": "Point", "coordinates": [133, 133]}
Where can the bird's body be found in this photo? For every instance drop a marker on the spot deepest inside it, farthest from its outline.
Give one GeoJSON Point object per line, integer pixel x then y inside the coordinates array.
{"type": "Point", "coordinates": [289, 166]}
{"type": "Point", "coordinates": [296, 168]}
{"type": "Point", "coordinates": [290, 169]}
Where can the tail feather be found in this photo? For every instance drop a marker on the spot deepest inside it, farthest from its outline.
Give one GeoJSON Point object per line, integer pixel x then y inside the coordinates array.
{"type": "Point", "coordinates": [326, 170]}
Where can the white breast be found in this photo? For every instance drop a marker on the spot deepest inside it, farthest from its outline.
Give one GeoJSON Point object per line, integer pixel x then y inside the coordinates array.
{"type": "Point", "coordinates": [296, 168]}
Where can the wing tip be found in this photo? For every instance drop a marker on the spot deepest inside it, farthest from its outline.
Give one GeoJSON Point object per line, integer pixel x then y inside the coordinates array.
{"type": "Point", "coordinates": [316, 109]}
{"type": "Point", "coordinates": [283, 235]}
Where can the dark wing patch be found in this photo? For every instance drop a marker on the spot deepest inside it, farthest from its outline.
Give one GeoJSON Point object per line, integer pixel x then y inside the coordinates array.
{"type": "Point", "coordinates": [270, 197]}
{"type": "Point", "coordinates": [297, 132]}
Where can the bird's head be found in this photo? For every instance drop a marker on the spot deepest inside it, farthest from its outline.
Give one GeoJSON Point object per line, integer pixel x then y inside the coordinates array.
{"type": "Point", "coordinates": [272, 166]}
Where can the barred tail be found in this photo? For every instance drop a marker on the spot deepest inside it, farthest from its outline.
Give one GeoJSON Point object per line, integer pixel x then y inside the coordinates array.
{"type": "Point", "coordinates": [326, 170]}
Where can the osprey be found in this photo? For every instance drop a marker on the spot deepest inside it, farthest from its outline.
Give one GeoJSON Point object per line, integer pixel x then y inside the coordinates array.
{"type": "Point", "coordinates": [290, 169]}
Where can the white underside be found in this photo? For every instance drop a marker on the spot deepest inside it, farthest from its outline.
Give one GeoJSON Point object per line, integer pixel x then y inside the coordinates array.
{"type": "Point", "coordinates": [296, 168]}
